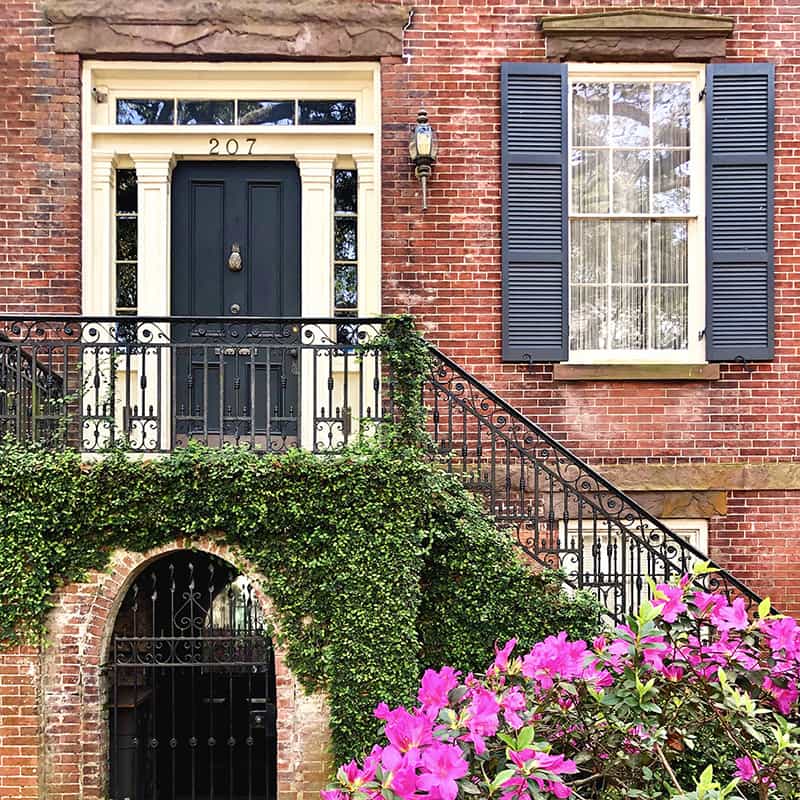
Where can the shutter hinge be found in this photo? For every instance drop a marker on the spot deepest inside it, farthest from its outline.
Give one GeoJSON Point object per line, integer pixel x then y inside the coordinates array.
{"type": "Point", "coordinates": [702, 94]}
{"type": "Point", "coordinates": [748, 367]}
{"type": "Point", "coordinates": [701, 335]}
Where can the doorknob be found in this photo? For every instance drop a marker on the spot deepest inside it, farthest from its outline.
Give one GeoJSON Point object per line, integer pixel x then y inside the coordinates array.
{"type": "Point", "coordinates": [235, 258]}
{"type": "Point", "coordinates": [235, 308]}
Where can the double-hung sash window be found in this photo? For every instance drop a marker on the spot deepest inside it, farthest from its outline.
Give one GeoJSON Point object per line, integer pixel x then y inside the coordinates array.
{"type": "Point", "coordinates": [636, 273]}
{"type": "Point", "coordinates": [637, 205]}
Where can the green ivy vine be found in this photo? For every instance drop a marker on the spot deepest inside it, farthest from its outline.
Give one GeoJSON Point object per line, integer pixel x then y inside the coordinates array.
{"type": "Point", "coordinates": [379, 564]}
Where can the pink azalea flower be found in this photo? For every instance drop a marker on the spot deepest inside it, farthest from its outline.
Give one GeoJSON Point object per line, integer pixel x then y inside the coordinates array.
{"type": "Point", "coordinates": [404, 783]}
{"type": "Point", "coordinates": [405, 730]}
{"type": "Point", "coordinates": [501, 656]}
{"type": "Point", "coordinates": [783, 634]}
{"type": "Point", "coordinates": [673, 672]}
{"type": "Point", "coordinates": [731, 617]}
{"type": "Point", "coordinates": [746, 769]}
{"type": "Point", "coordinates": [512, 702]}
{"type": "Point", "coordinates": [784, 698]}
{"type": "Point", "coordinates": [435, 687]}
{"type": "Point", "coordinates": [482, 718]}
{"type": "Point", "coordinates": [444, 765]}
{"type": "Point", "coordinates": [706, 600]}
{"type": "Point", "coordinates": [352, 776]}
{"type": "Point", "coordinates": [554, 658]}
{"type": "Point", "coordinates": [671, 604]}
{"type": "Point", "coordinates": [334, 794]}
{"type": "Point", "coordinates": [530, 761]}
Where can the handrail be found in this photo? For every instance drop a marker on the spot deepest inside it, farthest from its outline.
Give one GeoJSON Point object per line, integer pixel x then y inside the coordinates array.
{"type": "Point", "coordinates": [565, 513]}
{"type": "Point", "coordinates": [150, 384]}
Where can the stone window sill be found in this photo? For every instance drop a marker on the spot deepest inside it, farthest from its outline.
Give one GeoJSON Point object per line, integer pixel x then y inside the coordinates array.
{"type": "Point", "coordinates": [636, 372]}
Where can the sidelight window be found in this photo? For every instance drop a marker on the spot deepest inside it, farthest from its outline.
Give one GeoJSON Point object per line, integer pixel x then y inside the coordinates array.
{"type": "Point", "coordinates": [126, 246]}
{"type": "Point", "coordinates": [345, 248]}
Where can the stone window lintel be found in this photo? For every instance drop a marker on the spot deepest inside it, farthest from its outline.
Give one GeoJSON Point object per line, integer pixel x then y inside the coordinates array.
{"type": "Point", "coordinates": [636, 34]}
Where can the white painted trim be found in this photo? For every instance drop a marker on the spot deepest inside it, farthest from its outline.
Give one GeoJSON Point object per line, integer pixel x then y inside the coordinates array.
{"type": "Point", "coordinates": [102, 139]}
{"type": "Point", "coordinates": [153, 151]}
{"type": "Point", "coordinates": [695, 74]}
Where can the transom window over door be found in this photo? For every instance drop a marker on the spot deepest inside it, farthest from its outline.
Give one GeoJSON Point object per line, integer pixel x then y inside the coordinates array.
{"type": "Point", "coordinates": [635, 237]}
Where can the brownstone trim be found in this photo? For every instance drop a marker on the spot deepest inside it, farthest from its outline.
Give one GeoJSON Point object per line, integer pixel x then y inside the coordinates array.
{"type": "Point", "coordinates": [252, 28]}
{"type": "Point", "coordinates": [636, 34]}
{"type": "Point", "coordinates": [703, 477]}
{"type": "Point", "coordinates": [636, 372]}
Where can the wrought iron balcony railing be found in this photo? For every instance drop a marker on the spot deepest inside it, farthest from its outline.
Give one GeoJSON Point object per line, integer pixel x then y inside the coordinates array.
{"type": "Point", "coordinates": [561, 512]}
{"type": "Point", "coordinates": [149, 385]}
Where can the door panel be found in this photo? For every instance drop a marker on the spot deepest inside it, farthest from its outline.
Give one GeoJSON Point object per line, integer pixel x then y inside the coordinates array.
{"type": "Point", "coordinates": [222, 388]}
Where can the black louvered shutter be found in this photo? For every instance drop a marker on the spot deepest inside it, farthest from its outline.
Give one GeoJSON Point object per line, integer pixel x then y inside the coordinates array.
{"type": "Point", "coordinates": [535, 269]}
{"type": "Point", "coordinates": [740, 308]}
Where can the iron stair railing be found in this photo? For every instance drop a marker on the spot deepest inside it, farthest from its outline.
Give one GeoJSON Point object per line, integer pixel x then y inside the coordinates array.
{"type": "Point", "coordinates": [561, 512]}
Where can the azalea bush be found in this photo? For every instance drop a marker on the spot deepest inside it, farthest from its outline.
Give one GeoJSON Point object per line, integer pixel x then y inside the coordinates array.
{"type": "Point", "coordinates": [693, 698]}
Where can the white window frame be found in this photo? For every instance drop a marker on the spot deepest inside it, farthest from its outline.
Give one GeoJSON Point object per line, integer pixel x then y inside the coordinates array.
{"type": "Point", "coordinates": [695, 75]}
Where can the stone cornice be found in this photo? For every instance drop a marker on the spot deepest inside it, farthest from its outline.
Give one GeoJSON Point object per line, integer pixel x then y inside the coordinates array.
{"type": "Point", "coordinates": [264, 28]}
{"type": "Point", "coordinates": [636, 34]}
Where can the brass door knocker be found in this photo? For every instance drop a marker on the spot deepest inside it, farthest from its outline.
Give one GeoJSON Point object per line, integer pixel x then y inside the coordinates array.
{"type": "Point", "coordinates": [235, 259]}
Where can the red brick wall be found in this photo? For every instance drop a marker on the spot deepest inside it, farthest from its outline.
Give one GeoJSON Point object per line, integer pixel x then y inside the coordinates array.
{"type": "Point", "coordinates": [444, 266]}
{"type": "Point", "coordinates": [39, 166]}
{"type": "Point", "coordinates": [19, 723]}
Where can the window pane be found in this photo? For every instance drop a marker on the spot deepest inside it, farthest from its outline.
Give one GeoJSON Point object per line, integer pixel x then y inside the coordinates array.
{"type": "Point", "coordinates": [266, 112]}
{"type": "Point", "coordinates": [126, 239]}
{"type": "Point", "coordinates": [631, 115]}
{"type": "Point", "coordinates": [631, 181]}
{"type": "Point", "coordinates": [327, 112]}
{"type": "Point", "coordinates": [670, 252]}
{"type": "Point", "coordinates": [629, 251]}
{"type": "Point", "coordinates": [126, 285]}
{"type": "Point", "coordinates": [344, 248]}
{"type": "Point", "coordinates": [145, 112]}
{"type": "Point", "coordinates": [671, 114]}
{"type": "Point", "coordinates": [628, 317]}
{"type": "Point", "coordinates": [587, 325]}
{"type": "Point", "coordinates": [344, 190]}
{"type": "Point", "coordinates": [205, 112]}
{"type": "Point", "coordinates": [671, 182]}
{"type": "Point", "coordinates": [127, 200]}
{"type": "Point", "coordinates": [669, 317]}
{"type": "Point", "coordinates": [588, 251]}
{"type": "Point", "coordinates": [345, 286]}
{"type": "Point", "coordinates": [590, 181]}
{"type": "Point", "coordinates": [590, 114]}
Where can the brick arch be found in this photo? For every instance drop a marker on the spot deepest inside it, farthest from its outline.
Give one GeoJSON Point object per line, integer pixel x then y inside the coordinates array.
{"type": "Point", "coordinates": [73, 719]}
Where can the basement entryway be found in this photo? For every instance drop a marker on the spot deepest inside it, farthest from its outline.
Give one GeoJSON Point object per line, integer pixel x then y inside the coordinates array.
{"type": "Point", "coordinates": [191, 690]}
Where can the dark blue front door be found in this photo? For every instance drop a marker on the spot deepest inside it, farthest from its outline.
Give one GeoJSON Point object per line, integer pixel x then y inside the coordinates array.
{"type": "Point", "coordinates": [235, 254]}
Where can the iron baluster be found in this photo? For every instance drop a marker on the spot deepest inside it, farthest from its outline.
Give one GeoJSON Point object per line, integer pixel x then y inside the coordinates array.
{"type": "Point", "coordinates": [173, 741]}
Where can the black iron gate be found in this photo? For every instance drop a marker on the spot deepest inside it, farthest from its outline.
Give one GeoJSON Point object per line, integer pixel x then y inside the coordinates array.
{"type": "Point", "coordinates": [191, 701]}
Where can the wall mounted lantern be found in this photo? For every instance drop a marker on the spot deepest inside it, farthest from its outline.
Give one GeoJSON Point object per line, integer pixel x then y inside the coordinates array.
{"type": "Point", "coordinates": [422, 149]}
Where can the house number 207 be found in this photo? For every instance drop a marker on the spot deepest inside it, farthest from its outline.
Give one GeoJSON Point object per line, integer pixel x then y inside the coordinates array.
{"type": "Point", "coordinates": [230, 147]}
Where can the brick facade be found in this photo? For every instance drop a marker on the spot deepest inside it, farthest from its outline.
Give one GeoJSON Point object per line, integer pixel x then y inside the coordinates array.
{"type": "Point", "coordinates": [444, 267]}
{"type": "Point", "coordinates": [40, 166]}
